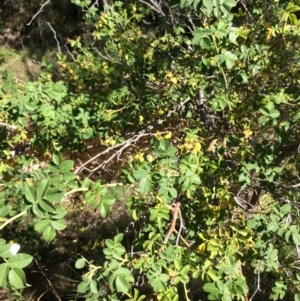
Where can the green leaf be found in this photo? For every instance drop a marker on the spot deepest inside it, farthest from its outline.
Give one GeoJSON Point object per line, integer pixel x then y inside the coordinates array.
{"type": "Point", "coordinates": [140, 174]}
{"type": "Point", "coordinates": [42, 225]}
{"type": "Point", "coordinates": [47, 206]}
{"type": "Point", "coordinates": [93, 286]}
{"type": "Point", "coordinates": [5, 251]}
{"type": "Point", "coordinates": [185, 270]}
{"type": "Point", "coordinates": [82, 287]}
{"type": "Point", "coordinates": [273, 226]}
{"type": "Point", "coordinates": [4, 211]}
{"type": "Point", "coordinates": [4, 269]}
{"type": "Point", "coordinates": [54, 197]}
{"type": "Point", "coordinates": [2, 242]}
{"type": "Point", "coordinates": [49, 234]}
{"type": "Point", "coordinates": [122, 272]}
{"type": "Point", "coordinates": [118, 238]}
{"type": "Point", "coordinates": [16, 278]}
{"type": "Point", "coordinates": [66, 166]}
{"type": "Point", "coordinates": [263, 120]}
{"type": "Point", "coordinates": [108, 200]}
{"type": "Point", "coordinates": [296, 238]}
{"type": "Point", "coordinates": [173, 192]}
{"type": "Point", "coordinates": [69, 176]}
{"type": "Point", "coordinates": [205, 43]}
{"type": "Point", "coordinates": [88, 133]}
{"type": "Point", "coordinates": [286, 208]}
{"type": "Point", "coordinates": [42, 188]}
{"type": "Point", "coordinates": [145, 185]}
{"type": "Point", "coordinates": [164, 144]}
{"type": "Point", "coordinates": [29, 193]}
{"type": "Point", "coordinates": [274, 113]}
{"type": "Point", "coordinates": [213, 274]}
{"type": "Point", "coordinates": [122, 285]}
{"type": "Point", "coordinates": [158, 285]}
{"type": "Point", "coordinates": [104, 209]}
{"type": "Point", "coordinates": [57, 158]}
{"type": "Point", "coordinates": [20, 261]}
{"type": "Point", "coordinates": [230, 3]}
{"type": "Point", "coordinates": [58, 224]}
{"type": "Point", "coordinates": [210, 288]}
{"type": "Point", "coordinates": [80, 263]}
{"type": "Point", "coordinates": [171, 151]}
{"type": "Point", "coordinates": [209, 6]}
{"type": "Point", "coordinates": [37, 211]}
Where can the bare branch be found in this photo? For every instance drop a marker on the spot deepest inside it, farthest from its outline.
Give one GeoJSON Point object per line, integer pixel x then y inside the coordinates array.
{"type": "Point", "coordinates": [19, 80]}
{"type": "Point", "coordinates": [155, 6]}
{"type": "Point", "coordinates": [11, 127]}
{"type": "Point", "coordinates": [180, 227]}
{"type": "Point", "coordinates": [108, 57]}
{"type": "Point", "coordinates": [49, 282]}
{"type": "Point", "coordinates": [55, 37]}
{"type": "Point", "coordinates": [72, 56]}
{"type": "Point", "coordinates": [176, 213]}
{"type": "Point", "coordinates": [122, 146]}
{"type": "Point", "coordinates": [47, 2]}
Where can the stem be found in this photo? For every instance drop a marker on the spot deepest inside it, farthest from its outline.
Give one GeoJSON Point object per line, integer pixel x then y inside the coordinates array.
{"type": "Point", "coordinates": [186, 293]}
{"type": "Point", "coordinates": [12, 219]}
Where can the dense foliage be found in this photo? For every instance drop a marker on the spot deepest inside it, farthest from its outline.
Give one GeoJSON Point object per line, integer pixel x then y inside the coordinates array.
{"type": "Point", "coordinates": [193, 107]}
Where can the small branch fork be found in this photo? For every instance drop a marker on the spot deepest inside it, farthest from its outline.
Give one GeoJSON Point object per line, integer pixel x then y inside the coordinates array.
{"type": "Point", "coordinates": [176, 214]}
{"type": "Point", "coordinates": [121, 147]}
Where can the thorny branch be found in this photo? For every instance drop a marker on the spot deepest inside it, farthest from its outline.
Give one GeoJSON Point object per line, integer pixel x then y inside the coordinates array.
{"type": "Point", "coordinates": [47, 2]}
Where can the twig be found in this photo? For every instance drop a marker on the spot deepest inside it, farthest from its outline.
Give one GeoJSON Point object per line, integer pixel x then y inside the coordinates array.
{"type": "Point", "coordinates": [123, 146]}
{"type": "Point", "coordinates": [12, 219]}
{"type": "Point", "coordinates": [72, 56]}
{"type": "Point", "coordinates": [11, 127]}
{"type": "Point", "coordinates": [108, 58]}
{"type": "Point", "coordinates": [176, 213]}
{"type": "Point", "coordinates": [19, 80]}
{"type": "Point", "coordinates": [154, 6]}
{"type": "Point", "coordinates": [55, 37]}
{"type": "Point", "coordinates": [49, 283]}
{"type": "Point", "coordinates": [47, 2]}
{"type": "Point", "coordinates": [180, 227]}
{"type": "Point", "coordinates": [258, 274]}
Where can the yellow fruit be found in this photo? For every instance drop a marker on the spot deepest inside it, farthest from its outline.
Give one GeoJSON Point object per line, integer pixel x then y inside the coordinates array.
{"type": "Point", "coordinates": [150, 157]}
{"type": "Point", "coordinates": [168, 136]}
{"type": "Point", "coordinates": [173, 80]}
{"type": "Point", "coordinates": [197, 147]}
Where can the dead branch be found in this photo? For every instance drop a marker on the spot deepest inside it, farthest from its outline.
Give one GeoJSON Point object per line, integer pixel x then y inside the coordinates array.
{"type": "Point", "coordinates": [121, 147]}
{"type": "Point", "coordinates": [11, 127]}
{"type": "Point", "coordinates": [49, 283]}
{"type": "Point", "coordinates": [55, 37]}
{"type": "Point", "coordinates": [72, 56]}
{"type": "Point", "coordinates": [47, 2]}
{"type": "Point", "coordinates": [155, 6]}
{"type": "Point", "coordinates": [176, 213]}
